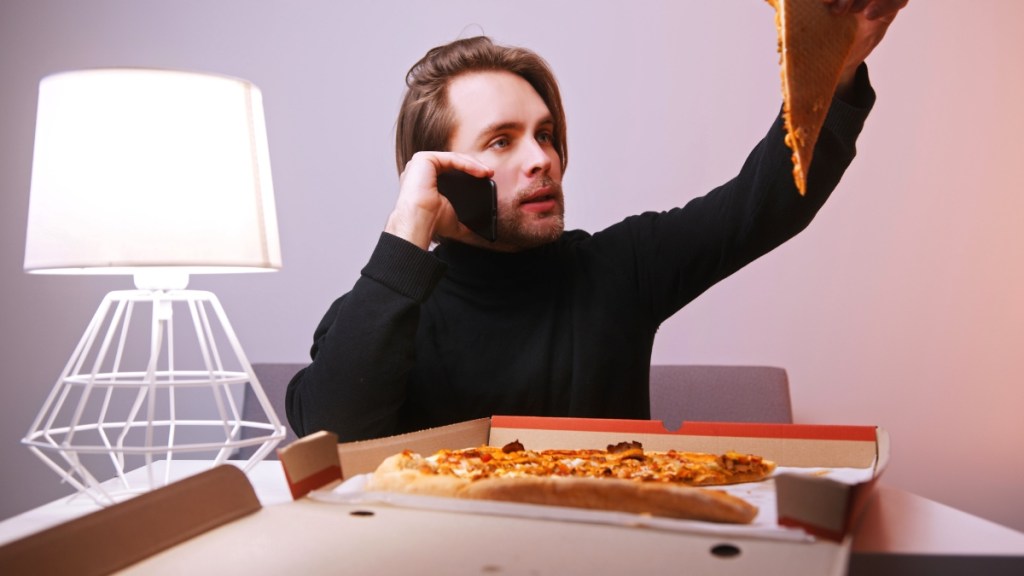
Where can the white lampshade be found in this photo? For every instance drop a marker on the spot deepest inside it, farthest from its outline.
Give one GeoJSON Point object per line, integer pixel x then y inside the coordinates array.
{"type": "Point", "coordinates": [158, 174]}
{"type": "Point", "coordinates": [141, 169]}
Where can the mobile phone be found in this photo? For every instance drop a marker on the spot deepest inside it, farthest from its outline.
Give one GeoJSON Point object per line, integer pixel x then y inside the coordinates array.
{"type": "Point", "coordinates": [475, 201]}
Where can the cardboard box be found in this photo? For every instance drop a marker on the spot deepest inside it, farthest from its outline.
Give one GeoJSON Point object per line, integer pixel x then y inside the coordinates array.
{"type": "Point", "coordinates": [818, 505]}
{"type": "Point", "coordinates": [116, 537]}
{"type": "Point", "coordinates": [214, 520]}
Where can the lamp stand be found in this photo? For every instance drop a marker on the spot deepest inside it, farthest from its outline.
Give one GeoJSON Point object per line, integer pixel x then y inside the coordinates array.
{"type": "Point", "coordinates": [103, 413]}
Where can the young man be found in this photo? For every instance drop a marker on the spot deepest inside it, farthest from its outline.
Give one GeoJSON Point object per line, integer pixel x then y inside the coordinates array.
{"type": "Point", "coordinates": [541, 321]}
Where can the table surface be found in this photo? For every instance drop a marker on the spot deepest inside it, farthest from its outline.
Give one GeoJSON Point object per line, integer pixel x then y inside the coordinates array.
{"type": "Point", "coordinates": [897, 527]}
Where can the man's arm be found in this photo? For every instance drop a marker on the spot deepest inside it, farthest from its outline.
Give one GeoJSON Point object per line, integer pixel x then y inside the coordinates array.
{"type": "Point", "coordinates": [364, 348]}
{"type": "Point", "coordinates": [760, 209]}
{"type": "Point", "coordinates": [421, 212]}
{"type": "Point", "coordinates": [684, 251]}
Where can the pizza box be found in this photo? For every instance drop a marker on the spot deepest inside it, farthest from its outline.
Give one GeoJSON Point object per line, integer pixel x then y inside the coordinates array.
{"type": "Point", "coordinates": [215, 520]}
{"type": "Point", "coordinates": [826, 472]}
{"type": "Point", "coordinates": [213, 523]}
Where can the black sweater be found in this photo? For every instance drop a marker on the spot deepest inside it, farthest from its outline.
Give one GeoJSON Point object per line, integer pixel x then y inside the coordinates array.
{"type": "Point", "coordinates": [431, 338]}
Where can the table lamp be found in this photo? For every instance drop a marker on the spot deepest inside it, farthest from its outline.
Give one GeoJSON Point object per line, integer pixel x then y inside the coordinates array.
{"type": "Point", "coordinates": [158, 174]}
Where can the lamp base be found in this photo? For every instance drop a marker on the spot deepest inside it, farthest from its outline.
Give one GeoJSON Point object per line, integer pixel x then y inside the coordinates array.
{"type": "Point", "coordinates": [103, 414]}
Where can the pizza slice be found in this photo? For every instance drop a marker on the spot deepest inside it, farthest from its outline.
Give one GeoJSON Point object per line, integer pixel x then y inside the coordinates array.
{"type": "Point", "coordinates": [622, 478]}
{"type": "Point", "coordinates": [813, 46]}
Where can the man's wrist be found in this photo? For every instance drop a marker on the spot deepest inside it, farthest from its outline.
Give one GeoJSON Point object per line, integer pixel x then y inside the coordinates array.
{"type": "Point", "coordinates": [415, 227]}
{"type": "Point", "coordinates": [404, 268]}
{"type": "Point", "coordinates": [854, 88]}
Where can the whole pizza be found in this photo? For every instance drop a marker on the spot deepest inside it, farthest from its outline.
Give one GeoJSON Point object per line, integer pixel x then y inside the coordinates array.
{"type": "Point", "coordinates": [624, 477]}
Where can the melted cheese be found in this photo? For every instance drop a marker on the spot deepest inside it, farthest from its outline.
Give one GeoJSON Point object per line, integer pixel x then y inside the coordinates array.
{"type": "Point", "coordinates": [672, 466]}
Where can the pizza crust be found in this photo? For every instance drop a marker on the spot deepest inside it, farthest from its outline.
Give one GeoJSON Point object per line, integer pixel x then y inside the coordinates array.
{"type": "Point", "coordinates": [813, 46]}
{"type": "Point", "coordinates": [414, 482]}
{"type": "Point", "coordinates": [611, 494]}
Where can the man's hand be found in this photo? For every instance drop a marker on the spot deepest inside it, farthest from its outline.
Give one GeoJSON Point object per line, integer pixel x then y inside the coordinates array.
{"type": "Point", "coordinates": [874, 17]}
{"type": "Point", "coordinates": [421, 212]}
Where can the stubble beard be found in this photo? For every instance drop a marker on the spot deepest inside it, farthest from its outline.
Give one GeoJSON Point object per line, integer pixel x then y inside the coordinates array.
{"type": "Point", "coordinates": [526, 230]}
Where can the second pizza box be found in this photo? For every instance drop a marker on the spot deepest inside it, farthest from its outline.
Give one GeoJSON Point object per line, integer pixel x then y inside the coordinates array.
{"type": "Point", "coordinates": [827, 472]}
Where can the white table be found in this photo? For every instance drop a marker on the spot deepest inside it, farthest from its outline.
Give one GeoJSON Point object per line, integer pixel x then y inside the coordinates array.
{"type": "Point", "coordinates": [900, 533]}
{"type": "Point", "coordinates": [267, 479]}
{"type": "Point", "coordinates": [903, 533]}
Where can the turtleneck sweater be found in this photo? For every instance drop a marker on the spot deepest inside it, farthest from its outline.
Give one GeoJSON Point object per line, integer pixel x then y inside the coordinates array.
{"type": "Point", "coordinates": [427, 338]}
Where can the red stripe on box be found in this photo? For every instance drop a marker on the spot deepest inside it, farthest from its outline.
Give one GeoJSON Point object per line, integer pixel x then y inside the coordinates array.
{"type": "Point", "coordinates": [578, 424]}
{"type": "Point", "coordinates": [816, 531]}
{"type": "Point", "coordinates": [316, 480]}
{"type": "Point", "coordinates": [736, 429]}
{"type": "Point", "coordinates": [795, 431]}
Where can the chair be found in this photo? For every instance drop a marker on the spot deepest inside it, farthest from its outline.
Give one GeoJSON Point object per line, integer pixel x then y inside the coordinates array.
{"type": "Point", "coordinates": [274, 379]}
{"type": "Point", "coordinates": [678, 393]}
{"type": "Point", "coordinates": [719, 394]}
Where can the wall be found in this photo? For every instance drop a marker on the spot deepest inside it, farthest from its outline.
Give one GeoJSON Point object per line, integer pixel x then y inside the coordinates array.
{"type": "Point", "coordinates": [899, 306]}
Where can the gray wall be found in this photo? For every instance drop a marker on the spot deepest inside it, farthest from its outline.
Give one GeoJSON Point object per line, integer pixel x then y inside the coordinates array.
{"type": "Point", "coordinates": [900, 306]}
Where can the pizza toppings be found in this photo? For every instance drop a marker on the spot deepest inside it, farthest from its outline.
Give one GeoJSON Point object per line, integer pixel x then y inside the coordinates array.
{"type": "Point", "coordinates": [625, 460]}
{"type": "Point", "coordinates": [513, 446]}
{"type": "Point", "coordinates": [624, 447]}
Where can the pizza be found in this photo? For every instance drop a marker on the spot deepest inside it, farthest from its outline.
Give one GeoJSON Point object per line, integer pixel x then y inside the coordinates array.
{"type": "Point", "coordinates": [813, 46]}
{"type": "Point", "coordinates": [623, 478]}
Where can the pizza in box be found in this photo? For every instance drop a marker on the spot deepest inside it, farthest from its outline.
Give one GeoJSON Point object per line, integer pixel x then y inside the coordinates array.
{"type": "Point", "coordinates": [624, 478]}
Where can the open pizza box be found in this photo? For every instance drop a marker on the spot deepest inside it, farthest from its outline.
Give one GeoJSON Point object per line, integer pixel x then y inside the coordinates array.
{"type": "Point", "coordinates": [204, 515]}
{"type": "Point", "coordinates": [825, 477]}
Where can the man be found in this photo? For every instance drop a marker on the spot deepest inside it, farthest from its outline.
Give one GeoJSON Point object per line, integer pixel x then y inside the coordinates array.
{"type": "Point", "coordinates": [541, 321]}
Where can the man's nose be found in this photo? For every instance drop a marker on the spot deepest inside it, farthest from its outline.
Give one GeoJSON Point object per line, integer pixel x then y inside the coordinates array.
{"type": "Point", "coordinates": [537, 159]}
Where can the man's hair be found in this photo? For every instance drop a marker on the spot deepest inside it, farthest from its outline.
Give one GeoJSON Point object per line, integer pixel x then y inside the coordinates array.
{"type": "Point", "coordinates": [426, 121]}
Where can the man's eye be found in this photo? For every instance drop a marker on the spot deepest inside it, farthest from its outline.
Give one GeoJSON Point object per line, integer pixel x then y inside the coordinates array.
{"type": "Point", "coordinates": [499, 143]}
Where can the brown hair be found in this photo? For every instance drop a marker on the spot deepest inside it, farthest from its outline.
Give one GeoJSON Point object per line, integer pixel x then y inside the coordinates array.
{"type": "Point", "coordinates": [426, 121]}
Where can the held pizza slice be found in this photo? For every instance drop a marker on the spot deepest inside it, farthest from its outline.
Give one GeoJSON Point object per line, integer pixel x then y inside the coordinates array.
{"type": "Point", "coordinates": [813, 46]}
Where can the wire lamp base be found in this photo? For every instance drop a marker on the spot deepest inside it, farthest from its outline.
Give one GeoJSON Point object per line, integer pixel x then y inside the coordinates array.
{"type": "Point", "coordinates": [117, 407]}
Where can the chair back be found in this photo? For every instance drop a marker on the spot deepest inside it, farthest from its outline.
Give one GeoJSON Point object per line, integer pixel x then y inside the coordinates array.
{"type": "Point", "coordinates": [706, 393]}
{"type": "Point", "coordinates": [715, 393]}
{"type": "Point", "coordinates": [274, 379]}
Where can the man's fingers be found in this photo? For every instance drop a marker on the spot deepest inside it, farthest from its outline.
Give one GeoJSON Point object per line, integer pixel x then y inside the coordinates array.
{"type": "Point", "coordinates": [884, 9]}
{"type": "Point", "coordinates": [873, 9]}
{"type": "Point", "coordinates": [467, 164]}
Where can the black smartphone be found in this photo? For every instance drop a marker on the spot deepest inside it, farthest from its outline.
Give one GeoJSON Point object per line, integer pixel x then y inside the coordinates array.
{"type": "Point", "coordinates": [475, 201]}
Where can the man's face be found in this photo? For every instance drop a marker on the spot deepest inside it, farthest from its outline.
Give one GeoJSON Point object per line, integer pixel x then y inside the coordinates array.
{"type": "Point", "coordinates": [501, 121]}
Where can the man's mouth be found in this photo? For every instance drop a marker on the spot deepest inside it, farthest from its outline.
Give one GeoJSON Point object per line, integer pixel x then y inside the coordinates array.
{"type": "Point", "coordinates": [544, 199]}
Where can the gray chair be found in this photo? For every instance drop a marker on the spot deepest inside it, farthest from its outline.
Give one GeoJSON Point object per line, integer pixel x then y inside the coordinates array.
{"type": "Point", "coordinates": [719, 394]}
{"type": "Point", "coordinates": [678, 393]}
{"type": "Point", "coordinates": [274, 379]}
